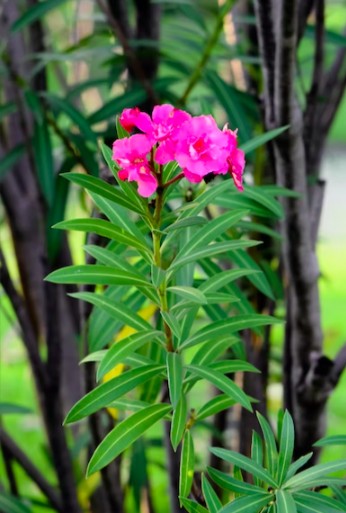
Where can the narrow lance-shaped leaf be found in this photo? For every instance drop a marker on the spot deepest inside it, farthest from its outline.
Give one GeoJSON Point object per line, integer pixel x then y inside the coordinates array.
{"type": "Point", "coordinates": [270, 447]}
{"type": "Point", "coordinates": [96, 275]}
{"type": "Point", "coordinates": [228, 326]}
{"type": "Point", "coordinates": [222, 383]}
{"type": "Point", "coordinates": [257, 453]}
{"type": "Point", "coordinates": [212, 500]}
{"type": "Point", "coordinates": [246, 464]}
{"type": "Point", "coordinates": [187, 464]}
{"type": "Point", "coordinates": [216, 248]}
{"type": "Point", "coordinates": [286, 447]}
{"type": "Point", "coordinates": [178, 422]}
{"type": "Point", "coordinates": [251, 504]}
{"type": "Point", "coordinates": [211, 231]}
{"type": "Point", "coordinates": [105, 229]}
{"type": "Point", "coordinates": [316, 473]}
{"type": "Point", "coordinates": [125, 434]}
{"type": "Point", "coordinates": [215, 405]}
{"type": "Point", "coordinates": [175, 376]}
{"type": "Point", "coordinates": [285, 502]}
{"type": "Point", "coordinates": [115, 309]}
{"type": "Point", "coordinates": [226, 482]}
{"type": "Point", "coordinates": [102, 188]}
{"type": "Point", "coordinates": [189, 293]}
{"type": "Point", "coordinates": [320, 502]}
{"type": "Point", "coordinates": [104, 394]}
{"type": "Point", "coordinates": [120, 350]}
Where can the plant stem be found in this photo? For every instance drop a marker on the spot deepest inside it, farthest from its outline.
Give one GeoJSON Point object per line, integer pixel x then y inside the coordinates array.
{"type": "Point", "coordinates": [213, 39]}
{"type": "Point", "coordinates": [157, 256]}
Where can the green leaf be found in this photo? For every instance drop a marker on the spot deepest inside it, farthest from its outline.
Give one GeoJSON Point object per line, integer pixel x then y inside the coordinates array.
{"type": "Point", "coordinates": [224, 384]}
{"type": "Point", "coordinates": [189, 293]}
{"type": "Point", "coordinates": [96, 275]}
{"type": "Point", "coordinates": [204, 199]}
{"type": "Point", "coordinates": [115, 309]}
{"type": "Point", "coordinates": [185, 223]}
{"type": "Point", "coordinates": [212, 500]}
{"type": "Point", "coordinates": [257, 453]}
{"type": "Point", "coordinates": [267, 201]}
{"type": "Point", "coordinates": [310, 506]}
{"type": "Point", "coordinates": [316, 473]}
{"type": "Point", "coordinates": [78, 119]}
{"type": "Point", "coordinates": [220, 280]}
{"type": "Point", "coordinates": [262, 139]}
{"type": "Point", "coordinates": [118, 215]}
{"type": "Point", "coordinates": [226, 482]}
{"type": "Point", "coordinates": [96, 356]}
{"type": "Point", "coordinates": [286, 447]}
{"type": "Point", "coordinates": [319, 501]}
{"type": "Point", "coordinates": [9, 504]}
{"type": "Point", "coordinates": [170, 319]}
{"type": "Point", "coordinates": [285, 502]}
{"type": "Point", "coordinates": [258, 279]}
{"type": "Point", "coordinates": [191, 506]}
{"type": "Point", "coordinates": [214, 249]}
{"type": "Point", "coordinates": [157, 275]}
{"type": "Point", "coordinates": [10, 159]}
{"type": "Point", "coordinates": [331, 440]}
{"type": "Point", "coordinates": [211, 231]}
{"type": "Point", "coordinates": [330, 36]}
{"type": "Point", "coordinates": [270, 448]}
{"type": "Point", "coordinates": [246, 464]}
{"type": "Point", "coordinates": [44, 164]}
{"type": "Point", "coordinates": [10, 408]}
{"type": "Point", "coordinates": [187, 464]}
{"type": "Point", "coordinates": [251, 504]}
{"type": "Point", "coordinates": [296, 465]}
{"type": "Point", "coordinates": [93, 184]}
{"type": "Point", "coordinates": [120, 350]}
{"type": "Point", "coordinates": [35, 13]}
{"type": "Point", "coordinates": [178, 422]}
{"type": "Point", "coordinates": [175, 376]}
{"type": "Point", "coordinates": [107, 392]}
{"type": "Point", "coordinates": [125, 434]}
{"type": "Point", "coordinates": [226, 327]}
{"type": "Point", "coordinates": [105, 229]}
{"type": "Point", "coordinates": [209, 352]}
{"type": "Point", "coordinates": [219, 403]}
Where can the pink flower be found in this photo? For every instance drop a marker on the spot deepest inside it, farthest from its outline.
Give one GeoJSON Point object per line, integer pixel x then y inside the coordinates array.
{"type": "Point", "coordinates": [235, 159]}
{"type": "Point", "coordinates": [201, 148]}
{"type": "Point", "coordinates": [165, 121]}
{"type": "Point", "coordinates": [131, 155]}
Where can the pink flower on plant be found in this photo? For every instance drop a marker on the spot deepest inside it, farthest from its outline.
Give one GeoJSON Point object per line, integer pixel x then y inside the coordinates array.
{"type": "Point", "coordinates": [201, 148]}
{"type": "Point", "coordinates": [235, 159]}
{"type": "Point", "coordinates": [160, 128]}
{"type": "Point", "coordinates": [131, 155]}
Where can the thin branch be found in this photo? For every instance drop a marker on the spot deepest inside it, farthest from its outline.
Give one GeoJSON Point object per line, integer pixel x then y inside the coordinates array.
{"type": "Point", "coordinates": [28, 334]}
{"type": "Point", "coordinates": [18, 455]}
{"type": "Point", "coordinates": [266, 39]}
{"type": "Point", "coordinates": [118, 9]}
{"type": "Point", "coordinates": [313, 96]}
{"type": "Point", "coordinates": [134, 63]}
{"type": "Point", "coordinates": [211, 42]}
{"type": "Point", "coordinates": [339, 365]}
{"type": "Point", "coordinates": [304, 10]}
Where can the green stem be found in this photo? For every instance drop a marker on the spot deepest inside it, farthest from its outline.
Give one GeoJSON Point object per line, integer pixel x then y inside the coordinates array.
{"type": "Point", "coordinates": [157, 257]}
{"type": "Point", "coordinates": [213, 39]}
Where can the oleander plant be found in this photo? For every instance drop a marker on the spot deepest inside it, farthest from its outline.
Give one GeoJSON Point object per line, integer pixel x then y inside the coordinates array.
{"type": "Point", "coordinates": [157, 279]}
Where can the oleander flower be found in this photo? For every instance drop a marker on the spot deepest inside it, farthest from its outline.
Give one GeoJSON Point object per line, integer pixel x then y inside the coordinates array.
{"type": "Point", "coordinates": [201, 148]}
{"type": "Point", "coordinates": [131, 155]}
{"type": "Point", "coordinates": [195, 142]}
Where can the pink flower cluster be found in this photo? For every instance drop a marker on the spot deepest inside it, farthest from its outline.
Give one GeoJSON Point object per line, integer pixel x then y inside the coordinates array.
{"type": "Point", "coordinates": [195, 142]}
